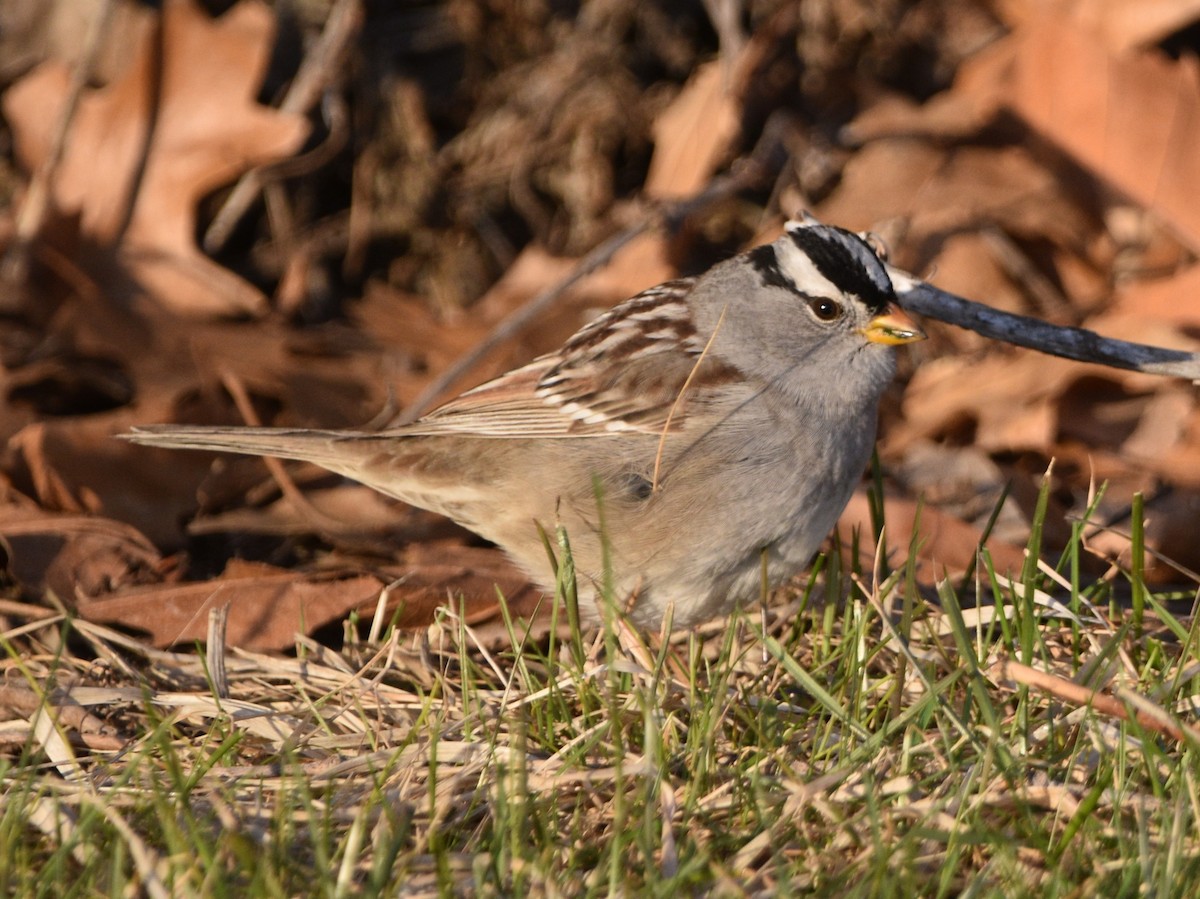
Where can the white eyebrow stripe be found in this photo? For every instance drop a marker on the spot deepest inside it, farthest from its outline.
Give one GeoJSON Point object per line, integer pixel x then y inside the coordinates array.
{"type": "Point", "coordinates": [803, 272]}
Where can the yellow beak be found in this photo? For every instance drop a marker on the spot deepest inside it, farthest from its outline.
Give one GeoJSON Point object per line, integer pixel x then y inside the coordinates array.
{"type": "Point", "coordinates": [893, 328]}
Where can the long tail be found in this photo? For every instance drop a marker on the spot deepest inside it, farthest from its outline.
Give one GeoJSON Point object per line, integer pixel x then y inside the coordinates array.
{"type": "Point", "coordinates": [336, 450]}
{"type": "Point", "coordinates": [383, 460]}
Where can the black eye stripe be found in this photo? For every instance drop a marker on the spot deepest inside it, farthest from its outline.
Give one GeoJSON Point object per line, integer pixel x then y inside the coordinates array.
{"type": "Point", "coordinates": [766, 262]}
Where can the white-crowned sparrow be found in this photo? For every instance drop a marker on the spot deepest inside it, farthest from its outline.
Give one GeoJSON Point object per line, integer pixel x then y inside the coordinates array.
{"type": "Point", "coordinates": [682, 435]}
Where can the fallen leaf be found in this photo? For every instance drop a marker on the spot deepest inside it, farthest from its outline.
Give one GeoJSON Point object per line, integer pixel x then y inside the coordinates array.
{"type": "Point", "coordinates": [1120, 24]}
{"type": "Point", "coordinates": [360, 510]}
{"type": "Point", "coordinates": [946, 116]}
{"type": "Point", "coordinates": [269, 607]}
{"type": "Point", "coordinates": [181, 121]}
{"type": "Point", "coordinates": [1169, 299]}
{"type": "Point", "coordinates": [945, 544]}
{"type": "Point", "coordinates": [941, 192]}
{"type": "Point", "coordinates": [74, 556]}
{"type": "Point", "coordinates": [1022, 401]}
{"type": "Point", "coordinates": [435, 574]}
{"type": "Point", "coordinates": [1000, 401]}
{"type": "Point", "coordinates": [692, 135]}
{"type": "Point", "coordinates": [1131, 118]}
{"type": "Point", "coordinates": [1169, 528]}
{"type": "Point", "coordinates": [266, 610]}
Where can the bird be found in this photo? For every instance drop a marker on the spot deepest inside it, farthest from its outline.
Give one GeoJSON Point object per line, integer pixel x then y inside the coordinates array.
{"type": "Point", "coordinates": [695, 439]}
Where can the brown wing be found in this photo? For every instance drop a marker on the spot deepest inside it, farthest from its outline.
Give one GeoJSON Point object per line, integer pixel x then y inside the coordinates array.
{"type": "Point", "coordinates": [507, 406]}
{"type": "Point", "coordinates": [582, 391]}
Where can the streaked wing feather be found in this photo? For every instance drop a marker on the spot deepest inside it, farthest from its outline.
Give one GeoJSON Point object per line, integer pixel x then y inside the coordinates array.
{"type": "Point", "coordinates": [579, 392]}
{"type": "Point", "coordinates": [507, 406]}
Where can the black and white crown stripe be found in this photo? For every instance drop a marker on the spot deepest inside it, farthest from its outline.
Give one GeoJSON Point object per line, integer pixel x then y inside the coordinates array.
{"type": "Point", "coordinates": [821, 260]}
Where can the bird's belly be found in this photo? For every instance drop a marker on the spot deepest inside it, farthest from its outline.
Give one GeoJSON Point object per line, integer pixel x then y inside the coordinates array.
{"type": "Point", "coordinates": [741, 536]}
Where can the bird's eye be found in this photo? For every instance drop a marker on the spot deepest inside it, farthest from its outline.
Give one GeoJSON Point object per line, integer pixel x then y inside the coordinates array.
{"type": "Point", "coordinates": [825, 309]}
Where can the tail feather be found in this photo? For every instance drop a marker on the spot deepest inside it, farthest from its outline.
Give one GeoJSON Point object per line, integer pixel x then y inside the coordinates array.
{"type": "Point", "coordinates": [329, 449]}
{"type": "Point", "coordinates": [376, 459]}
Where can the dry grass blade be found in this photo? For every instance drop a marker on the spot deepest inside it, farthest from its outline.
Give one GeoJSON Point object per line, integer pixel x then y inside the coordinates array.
{"type": "Point", "coordinates": [67, 710]}
{"type": "Point", "coordinates": [1125, 705]}
{"type": "Point", "coordinates": [662, 762]}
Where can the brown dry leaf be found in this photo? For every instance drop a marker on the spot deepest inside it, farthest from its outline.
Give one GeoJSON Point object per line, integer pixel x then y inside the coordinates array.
{"type": "Point", "coordinates": [1162, 423]}
{"type": "Point", "coordinates": [267, 607]}
{"type": "Point", "coordinates": [1140, 327]}
{"type": "Point", "coordinates": [946, 544]}
{"type": "Point", "coordinates": [435, 574]}
{"type": "Point", "coordinates": [1132, 118]}
{"type": "Point", "coordinates": [962, 481]}
{"type": "Point", "coordinates": [360, 510]}
{"type": "Point", "coordinates": [49, 486]}
{"type": "Point", "coordinates": [1025, 401]}
{"type": "Point", "coordinates": [946, 116]}
{"type": "Point", "coordinates": [643, 263]}
{"type": "Point", "coordinates": [1131, 431]}
{"type": "Point", "coordinates": [74, 556]}
{"type": "Point", "coordinates": [1121, 24]}
{"type": "Point", "coordinates": [1170, 299]}
{"type": "Point", "coordinates": [420, 341]}
{"type": "Point", "coordinates": [1002, 400]}
{"type": "Point", "coordinates": [696, 132]}
{"type": "Point", "coordinates": [327, 376]}
{"type": "Point", "coordinates": [941, 192]}
{"type": "Point", "coordinates": [884, 180]}
{"type": "Point", "coordinates": [1180, 464]}
{"type": "Point", "coordinates": [76, 466]}
{"type": "Point", "coordinates": [159, 159]}
{"type": "Point", "coordinates": [1170, 534]}
{"type": "Point", "coordinates": [692, 135]}
{"type": "Point", "coordinates": [1159, 436]}
{"type": "Point", "coordinates": [966, 265]}
{"type": "Point", "coordinates": [533, 271]}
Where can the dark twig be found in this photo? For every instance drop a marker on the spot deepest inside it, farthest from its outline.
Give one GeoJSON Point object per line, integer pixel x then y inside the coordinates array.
{"type": "Point", "coordinates": [517, 321]}
{"type": "Point", "coordinates": [14, 268]}
{"type": "Point", "coordinates": [1020, 330]}
{"type": "Point", "coordinates": [315, 74]}
{"type": "Point", "coordinates": [750, 171]}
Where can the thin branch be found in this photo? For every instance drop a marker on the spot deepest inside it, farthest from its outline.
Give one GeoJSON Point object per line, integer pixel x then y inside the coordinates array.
{"type": "Point", "coordinates": [517, 321]}
{"type": "Point", "coordinates": [749, 172]}
{"type": "Point", "coordinates": [316, 72]}
{"type": "Point", "coordinates": [1070, 343]}
{"type": "Point", "coordinates": [14, 268]}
